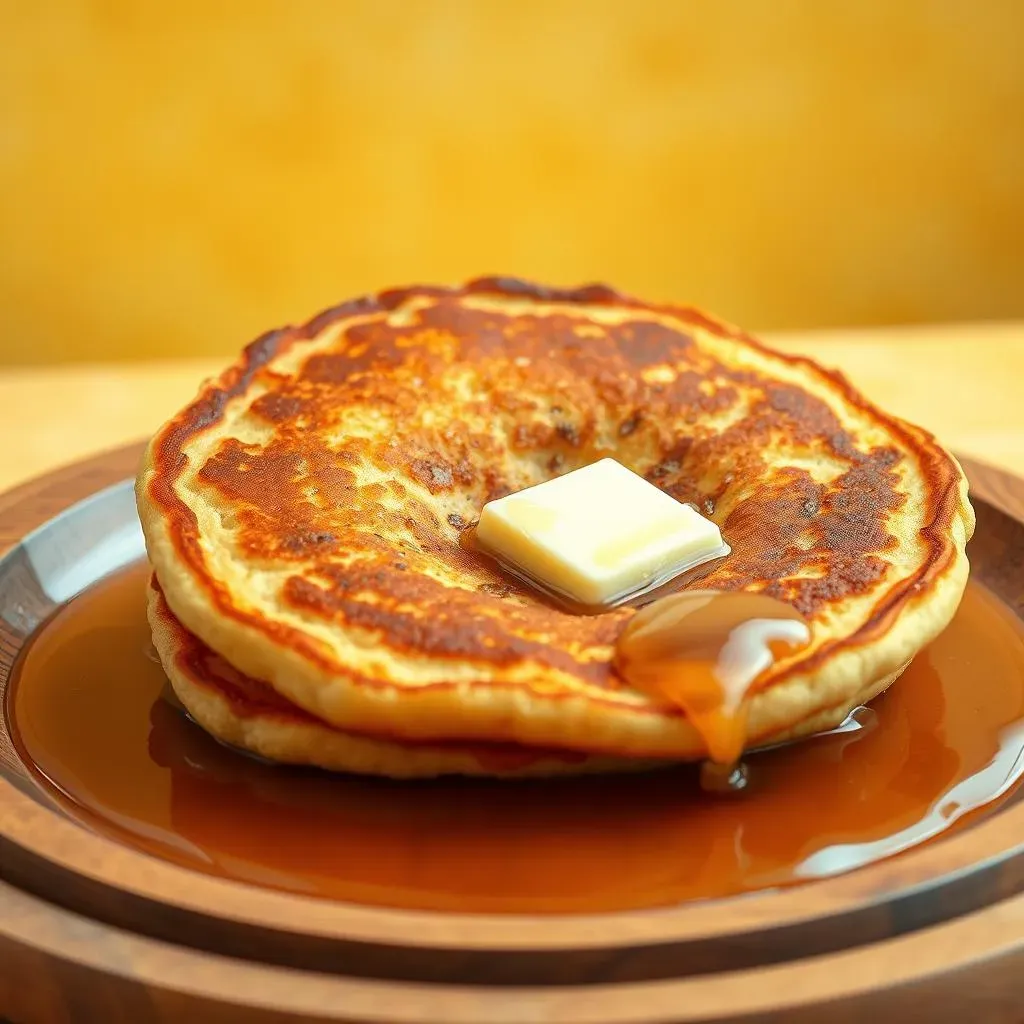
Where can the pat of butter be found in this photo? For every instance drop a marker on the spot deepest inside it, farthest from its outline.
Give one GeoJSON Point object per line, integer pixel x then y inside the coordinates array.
{"type": "Point", "coordinates": [597, 535]}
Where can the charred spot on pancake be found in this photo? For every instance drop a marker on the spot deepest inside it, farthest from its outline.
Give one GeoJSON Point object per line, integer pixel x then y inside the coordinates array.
{"type": "Point", "coordinates": [278, 407]}
{"type": "Point", "coordinates": [454, 519]}
{"type": "Point", "coordinates": [435, 475]}
{"type": "Point", "coordinates": [667, 468]}
{"type": "Point", "coordinates": [685, 392]}
{"type": "Point", "coordinates": [670, 465]}
{"type": "Point", "coordinates": [306, 542]}
{"type": "Point", "coordinates": [848, 574]}
{"type": "Point", "coordinates": [628, 425]}
{"type": "Point", "coordinates": [647, 343]}
{"type": "Point", "coordinates": [850, 519]}
{"type": "Point", "coordinates": [568, 432]}
{"type": "Point", "coordinates": [808, 418]}
{"type": "Point", "coordinates": [886, 456]}
{"type": "Point", "coordinates": [842, 444]}
{"type": "Point", "coordinates": [362, 347]}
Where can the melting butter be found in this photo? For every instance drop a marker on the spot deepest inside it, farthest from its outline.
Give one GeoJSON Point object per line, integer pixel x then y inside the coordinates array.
{"type": "Point", "coordinates": [597, 536]}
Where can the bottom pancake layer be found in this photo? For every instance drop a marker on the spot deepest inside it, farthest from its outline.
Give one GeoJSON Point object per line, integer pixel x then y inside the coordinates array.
{"type": "Point", "coordinates": [246, 713]}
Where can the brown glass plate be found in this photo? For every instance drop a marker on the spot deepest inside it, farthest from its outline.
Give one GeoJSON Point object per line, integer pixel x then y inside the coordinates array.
{"type": "Point", "coordinates": [93, 930]}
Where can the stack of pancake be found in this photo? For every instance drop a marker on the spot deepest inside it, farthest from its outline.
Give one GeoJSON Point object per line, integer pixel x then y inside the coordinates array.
{"type": "Point", "coordinates": [312, 603]}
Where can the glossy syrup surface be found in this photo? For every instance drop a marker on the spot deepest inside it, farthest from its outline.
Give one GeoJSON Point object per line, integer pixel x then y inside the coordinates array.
{"type": "Point", "coordinates": [89, 714]}
{"type": "Point", "coordinates": [704, 651]}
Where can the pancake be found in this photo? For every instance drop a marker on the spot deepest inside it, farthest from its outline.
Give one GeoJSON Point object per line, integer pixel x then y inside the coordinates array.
{"type": "Point", "coordinates": [249, 715]}
{"type": "Point", "coordinates": [245, 713]}
{"type": "Point", "coordinates": [303, 513]}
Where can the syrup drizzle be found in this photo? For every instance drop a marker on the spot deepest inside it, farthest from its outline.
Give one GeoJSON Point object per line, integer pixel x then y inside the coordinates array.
{"type": "Point", "coordinates": [704, 651]}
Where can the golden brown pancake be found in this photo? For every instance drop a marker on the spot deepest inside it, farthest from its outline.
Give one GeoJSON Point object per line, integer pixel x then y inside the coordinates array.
{"type": "Point", "coordinates": [303, 513]}
{"type": "Point", "coordinates": [246, 713]}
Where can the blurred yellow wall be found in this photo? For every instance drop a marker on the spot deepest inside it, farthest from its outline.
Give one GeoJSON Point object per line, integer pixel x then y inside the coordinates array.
{"type": "Point", "coordinates": [178, 176]}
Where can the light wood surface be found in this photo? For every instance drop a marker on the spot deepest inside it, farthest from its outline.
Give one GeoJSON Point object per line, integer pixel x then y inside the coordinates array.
{"type": "Point", "coordinates": [963, 382]}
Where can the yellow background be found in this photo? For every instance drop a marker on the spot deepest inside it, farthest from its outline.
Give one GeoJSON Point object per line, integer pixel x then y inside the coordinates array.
{"type": "Point", "coordinates": [179, 176]}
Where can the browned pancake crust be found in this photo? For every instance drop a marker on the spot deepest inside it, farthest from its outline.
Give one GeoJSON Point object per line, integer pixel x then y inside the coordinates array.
{"type": "Point", "coordinates": [248, 698]}
{"type": "Point", "coordinates": [296, 497]}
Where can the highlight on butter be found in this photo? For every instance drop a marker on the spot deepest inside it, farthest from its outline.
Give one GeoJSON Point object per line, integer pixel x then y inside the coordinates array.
{"type": "Point", "coordinates": [598, 535]}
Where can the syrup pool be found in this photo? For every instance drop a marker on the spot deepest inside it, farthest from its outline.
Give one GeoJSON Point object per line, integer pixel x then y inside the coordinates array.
{"type": "Point", "coordinates": [943, 746]}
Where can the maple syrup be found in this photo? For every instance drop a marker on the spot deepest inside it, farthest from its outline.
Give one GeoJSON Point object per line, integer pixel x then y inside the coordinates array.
{"type": "Point", "coordinates": [89, 714]}
{"type": "Point", "coordinates": [704, 650]}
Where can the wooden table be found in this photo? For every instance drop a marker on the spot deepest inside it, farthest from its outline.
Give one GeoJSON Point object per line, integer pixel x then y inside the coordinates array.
{"type": "Point", "coordinates": [964, 382]}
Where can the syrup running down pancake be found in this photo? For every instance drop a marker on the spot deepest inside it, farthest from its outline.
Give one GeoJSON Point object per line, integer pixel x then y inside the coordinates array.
{"type": "Point", "coordinates": [303, 514]}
